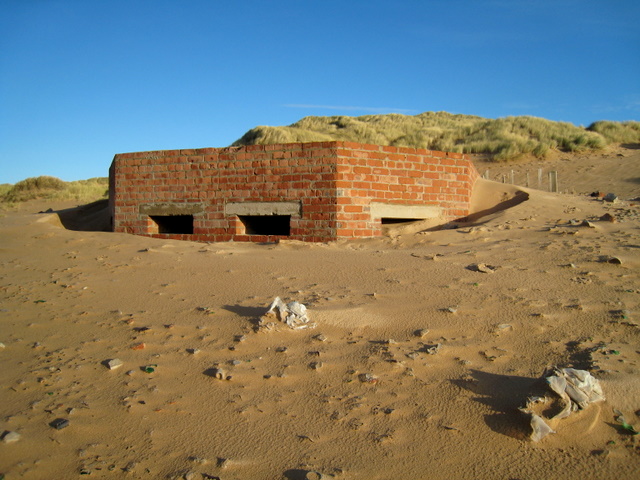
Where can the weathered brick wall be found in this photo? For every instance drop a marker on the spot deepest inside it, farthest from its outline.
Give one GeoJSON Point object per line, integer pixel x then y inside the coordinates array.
{"type": "Point", "coordinates": [333, 183]}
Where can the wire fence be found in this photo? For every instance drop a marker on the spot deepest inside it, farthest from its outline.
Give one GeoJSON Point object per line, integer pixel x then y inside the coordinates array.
{"type": "Point", "coordinates": [548, 182]}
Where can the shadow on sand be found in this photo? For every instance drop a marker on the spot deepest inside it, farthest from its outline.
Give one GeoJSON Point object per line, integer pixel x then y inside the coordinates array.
{"type": "Point", "coordinates": [296, 474]}
{"type": "Point", "coordinates": [92, 217]}
{"type": "Point", "coordinates": [517, 199]}
{"type": "Point", "coordinates": [503, 394]}
{"type": "Point", "coordinates": [247, 312]}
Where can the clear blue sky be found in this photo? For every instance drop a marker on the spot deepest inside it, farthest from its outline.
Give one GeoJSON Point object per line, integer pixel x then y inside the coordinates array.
{"type": "Point", "coordinates": [82, 80]}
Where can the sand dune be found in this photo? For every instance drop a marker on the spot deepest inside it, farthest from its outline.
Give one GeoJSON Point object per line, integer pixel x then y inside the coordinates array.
{"type": "Point", "coordinates": [361, 396]}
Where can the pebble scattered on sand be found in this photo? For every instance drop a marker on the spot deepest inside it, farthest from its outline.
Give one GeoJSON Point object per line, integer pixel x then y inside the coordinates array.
{"type": "Point", "coordinates": [11, 437]}
{"type": "Point", "coordinates": [367, 378]}
{"type": "Point", "coordinates": [422, 332]}
{"type": "Point", "coordinates": [114, 363]}
{"type": "Point", "coordinates": [433, 349]}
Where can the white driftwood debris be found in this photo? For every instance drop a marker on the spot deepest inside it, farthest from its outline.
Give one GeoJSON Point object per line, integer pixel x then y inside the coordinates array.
{"type": "Point", "coordinates": [576, 389]}
{"type": "Point", "coordinates": [294, 314]}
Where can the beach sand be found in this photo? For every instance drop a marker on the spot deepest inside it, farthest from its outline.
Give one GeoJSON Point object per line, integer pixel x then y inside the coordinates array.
{"type": "Point", "coordinates": [363, 395]}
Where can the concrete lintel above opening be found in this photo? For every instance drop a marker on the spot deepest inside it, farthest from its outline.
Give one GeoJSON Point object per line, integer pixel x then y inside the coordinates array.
{"type": "Point", "coordinates": [388, 210]}
{"type": "Point", "coordinates": [166, 209]}
{"type": "Point", "coordinates": [262, 208]}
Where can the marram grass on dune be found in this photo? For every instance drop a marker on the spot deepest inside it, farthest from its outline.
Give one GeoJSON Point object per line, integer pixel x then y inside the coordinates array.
{"type": "Point", "coordinates": [52, 188]}
{"type": "Point", "coordinates": [503, 138]}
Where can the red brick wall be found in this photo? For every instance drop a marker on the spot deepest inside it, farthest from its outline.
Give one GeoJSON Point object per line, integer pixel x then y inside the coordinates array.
{"type": "Point", "coordinates": [400, 176]}
{"type": "Point", "coordinates": [334, 182]}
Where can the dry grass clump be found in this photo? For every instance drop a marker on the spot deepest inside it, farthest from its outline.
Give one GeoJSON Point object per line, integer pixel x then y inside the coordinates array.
{"type": "Point", "coordinates": [52, 188]}
{"type": "Point", "coordinates": [618, 132]}
{"type": "Point", "coordinates": [271, 135]}
{"type": "Point", "coordinates": [504, 138]}
{"type": "Point", "coordinates": [4, 188]}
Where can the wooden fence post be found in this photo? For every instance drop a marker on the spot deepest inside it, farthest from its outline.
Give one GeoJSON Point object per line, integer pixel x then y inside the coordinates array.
{"type": "Point", "coordinates": [553, 181]}
{"type": "Point", "coordinates": [539, 179]}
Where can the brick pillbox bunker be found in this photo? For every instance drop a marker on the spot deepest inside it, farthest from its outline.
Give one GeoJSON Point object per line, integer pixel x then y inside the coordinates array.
{"type": "Point", "coordinates": [313, 192]}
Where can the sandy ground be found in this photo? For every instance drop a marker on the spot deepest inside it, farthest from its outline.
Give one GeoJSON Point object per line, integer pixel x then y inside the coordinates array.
{"type": "Point", "coordinates": [300, 402]}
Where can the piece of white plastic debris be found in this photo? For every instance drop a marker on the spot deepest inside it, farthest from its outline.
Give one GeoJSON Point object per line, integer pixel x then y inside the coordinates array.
{"type": "Point", "coordinates": [581, 387]}
{"type": "Point", "coordinates": [539, 428]}
{"type": "Point", "coordinates": [294, 314]}
{"type": "Point", "coordinates": [574, 390]}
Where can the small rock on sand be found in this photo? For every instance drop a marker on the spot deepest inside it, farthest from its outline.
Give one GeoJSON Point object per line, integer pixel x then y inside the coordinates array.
{"type": "Point", "coordinates": [10, 437]}
{"type": "Point", "coordinates": [367, 378]}
{"type": "Point", "coordinates": [113, 363]}
{"type": "Point", "coordinates": [503, 327]}
{"type": "Point", "coordinates": [610, 259]}
{"type": "Point", "coordinates": [422, 332]}
{"type": "Point", "coordinates": [314, 476]}
{"type": "Point", "coordinates": [433, 349]}
{"type": "Point", "coordinates": [59, 423]}
{"type": "Point", "coordinates": [315, 365]}
{"type": "Point", "coordinates": [482, 268]}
